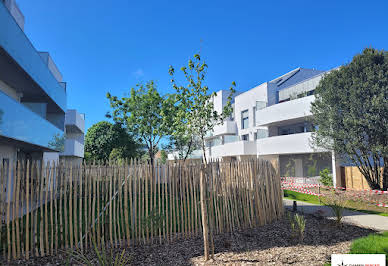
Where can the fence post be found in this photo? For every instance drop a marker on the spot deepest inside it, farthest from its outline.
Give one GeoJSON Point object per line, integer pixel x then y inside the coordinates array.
{"type": "Point", "coordinates": [205, 226]}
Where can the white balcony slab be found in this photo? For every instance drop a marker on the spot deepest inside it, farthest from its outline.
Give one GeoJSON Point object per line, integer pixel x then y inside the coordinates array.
{"type": "Point", "coordinates": [74, 121]}
{"type": "Point", "coordinates": [281, 112]}
{"type": "Point", "coordinates": [233, 149]}
{"type": "Point", "coordinates": [286, 144]}
{"type": "Point", "coordinates": [227, 128]}
{"type": "Point", "coordinates": [73, 148]}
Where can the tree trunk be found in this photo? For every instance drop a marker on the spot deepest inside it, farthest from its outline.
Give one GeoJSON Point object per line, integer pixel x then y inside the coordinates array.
{"type": "Point", "coordinates": [205, 227]}
{"type": "Point", "coordinates": [385, 174]}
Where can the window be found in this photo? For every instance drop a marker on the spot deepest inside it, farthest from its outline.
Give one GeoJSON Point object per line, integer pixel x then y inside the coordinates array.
{"type": "Point", "coordinates": [260, 105]}
{"type": "Point", "coordinates": [254, 116]}
{"type": "Point", "coordinates": [244, 119]}
{"type": "Point", "coordinates": [245, 137]}
{"type": "Point", "coordinates": [261, 133]}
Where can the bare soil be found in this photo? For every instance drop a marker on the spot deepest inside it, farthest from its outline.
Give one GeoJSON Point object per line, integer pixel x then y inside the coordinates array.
{"type": "Point", "coordinates": [272, 244]}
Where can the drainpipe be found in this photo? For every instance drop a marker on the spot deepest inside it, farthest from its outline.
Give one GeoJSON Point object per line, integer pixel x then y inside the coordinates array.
{"type": "Point", "coordinates": [334, 168]}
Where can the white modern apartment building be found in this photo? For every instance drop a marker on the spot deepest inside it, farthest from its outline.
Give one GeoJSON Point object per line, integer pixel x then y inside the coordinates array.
{"type": "Point", "coordinates": [271, 121]}
{"type": "Point", "coordinates": [34, 120]}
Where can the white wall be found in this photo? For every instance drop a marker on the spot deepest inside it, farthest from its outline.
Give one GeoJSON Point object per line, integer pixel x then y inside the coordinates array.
{"type": "Point", "coordinates": [247, 101]}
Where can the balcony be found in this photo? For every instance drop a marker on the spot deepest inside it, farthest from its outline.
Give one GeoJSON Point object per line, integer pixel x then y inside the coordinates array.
{"type": "Point", "coordinates": [227, 128]}
{"type": "Point", "coordinates": [286, 144]}
{"type": "Point", "coordinates": [233, 149]}
{"type": "Point", "coordinates": [20, 53]}
{"type": "Point", "coordinates": [20, 123]}
{"type": "Point", "coordinates": [278, 113]}
{"type": "Point", "coordinates": [74, 122]}
{"type": "Point", "coordinates": [73, 148]}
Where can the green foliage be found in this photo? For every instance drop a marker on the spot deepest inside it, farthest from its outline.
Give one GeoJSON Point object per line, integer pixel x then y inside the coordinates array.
{"type": "Point", "coordinates": [146, 113]}
{"type": "Point", "coordinates": [326, 178]}
{"type": "Point", "coordinates": [58, 143]}
{"type": "Point", "coordinates": [101, 257]}
{"type": "Point", "coordinates": [351, 111]}
{"type": "Point", "coordinates": [195, 115]}
{"type": "Point", "coordinates": [183, 144]}
{"type": "Point", "coordinates": [298, 225]}
{"type": "Point", "coordinates": [104, 137]}
{"type": "Point", "coordinates": [163, 156]}
{"type": "Point", "coordinates": [371, 244]}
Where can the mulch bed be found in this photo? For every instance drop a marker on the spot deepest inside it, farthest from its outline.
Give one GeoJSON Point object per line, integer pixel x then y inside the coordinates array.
{"type": "Point", "coordinates": [267, 245]}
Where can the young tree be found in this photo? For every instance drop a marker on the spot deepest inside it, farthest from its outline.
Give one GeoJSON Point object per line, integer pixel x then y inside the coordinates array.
{"type": "Point", "coordinates": [351, 111]}
{"type": "Point", "coordinates": [104, 137]}
{"type": "Point", "coordinates": [195, 117]}
{"type": "Point", "coordinates": [146, 113]}
{"type": "Point", "coordinates": [195, 114]}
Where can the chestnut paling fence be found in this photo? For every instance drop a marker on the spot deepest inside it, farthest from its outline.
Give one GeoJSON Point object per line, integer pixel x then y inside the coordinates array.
{"type": "Point", "coordinates": [48, 208]}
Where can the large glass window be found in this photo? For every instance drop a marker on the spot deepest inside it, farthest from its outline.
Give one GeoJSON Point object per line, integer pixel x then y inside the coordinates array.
{"type": "Point", "coordinates": [230, 138]}
{"type": "Point", "coordinates": [244, 119]}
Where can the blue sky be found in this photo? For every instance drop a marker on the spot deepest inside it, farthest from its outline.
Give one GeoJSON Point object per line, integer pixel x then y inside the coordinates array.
{"type": "Point", "coordinates": [102, 46]}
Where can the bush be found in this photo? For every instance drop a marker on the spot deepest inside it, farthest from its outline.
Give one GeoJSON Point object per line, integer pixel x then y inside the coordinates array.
{"type": "Point", "coordinates": [326, 178]}
{"type": "Point", "coordinates": [337, 203]}
{"type": "Point", "coordinates": [371, 244]}
{"type": "Point", "coordinates": [298, 225]}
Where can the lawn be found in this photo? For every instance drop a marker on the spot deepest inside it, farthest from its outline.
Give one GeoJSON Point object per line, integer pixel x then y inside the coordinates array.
{"type": "Point", "coordinates": [351, 205]}
{"type": "Point", "coordinates": [371, 244]}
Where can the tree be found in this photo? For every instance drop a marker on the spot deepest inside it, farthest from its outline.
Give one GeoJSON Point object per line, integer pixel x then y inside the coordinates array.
{"type": "Point", "coordinates": [195, 117]}
{"type": "Point", "coordinates": [58, 143]}
{"type": "Point", "coordinates": [104, 137]}
{"type": "Point", "coordinates": [351, 111]}
{"type": "Point", "coordinates": [146, 113]}
{"type": "Point", "coordinates": [183, 144]}
{"type": "Point", "coordinates": [195, 114]}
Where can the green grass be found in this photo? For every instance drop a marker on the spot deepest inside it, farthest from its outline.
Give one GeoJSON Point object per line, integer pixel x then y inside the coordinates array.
{"type": "Point", "coordinates": [292, 195]}
{"type": "Point", "coordinates": [351, 205]}
{"type": "Point", "coordinates": [371, 244]}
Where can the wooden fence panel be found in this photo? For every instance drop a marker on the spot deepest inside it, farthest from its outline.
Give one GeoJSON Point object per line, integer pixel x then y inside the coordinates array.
{"type": "Point", "coordinates": [47, 208]}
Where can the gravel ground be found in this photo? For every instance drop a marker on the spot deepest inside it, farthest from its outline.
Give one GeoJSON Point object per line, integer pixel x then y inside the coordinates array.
{"type": "Point", "coordinates": [267, 245]}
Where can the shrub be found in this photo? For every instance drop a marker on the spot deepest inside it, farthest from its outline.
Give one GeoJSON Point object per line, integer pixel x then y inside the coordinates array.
{"type": "Point", "coordinates": [102, 257]}
{"type": "Point", "coordinates": [298, 225]}
{"type": "Point", "coordinates": [371, 244]}
{"type": "Point", "coordinates": [326, 178]}
{"type": "Point", "coordinates": [336, 202]}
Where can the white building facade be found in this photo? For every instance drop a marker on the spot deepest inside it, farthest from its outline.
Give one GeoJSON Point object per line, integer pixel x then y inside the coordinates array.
{"type": "Point", "coordinates": [34, 120]}
{"type": "Point", "coordinates": [272, 121]}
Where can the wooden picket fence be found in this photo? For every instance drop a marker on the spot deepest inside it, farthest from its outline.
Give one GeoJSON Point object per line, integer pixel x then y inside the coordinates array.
{"type": "Point", "coordinates": [49, 208]}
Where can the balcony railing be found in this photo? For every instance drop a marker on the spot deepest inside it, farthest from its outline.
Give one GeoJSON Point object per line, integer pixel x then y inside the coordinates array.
{"type": "Point", "coordinates": [20, 123]}
{"type": "Point", "coordinates": [18, 46]}
{"type": "Point", "coordinates": [290, 110]}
